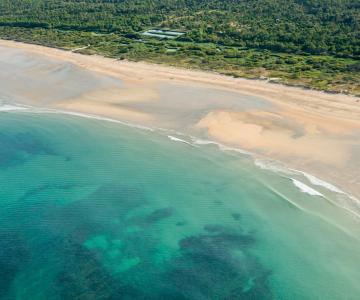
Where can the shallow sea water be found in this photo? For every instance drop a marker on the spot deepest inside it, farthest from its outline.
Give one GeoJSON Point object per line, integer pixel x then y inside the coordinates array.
{"type": "Point", "coordinates": [96, 210]}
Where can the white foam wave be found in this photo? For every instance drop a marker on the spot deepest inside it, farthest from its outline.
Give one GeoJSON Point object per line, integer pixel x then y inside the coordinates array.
{"type": "Point", "coordinates": [281, 169]}
{"type": "Point", "coordinates": [305, 188]}
{"type": "Point", "coordinates": [277, 167]}
{"type": "Point", "coordinates": [294, 204]}
{"type": "Point", "coordinates": [274, 166]}
{"type": "Point", "coordinates": [226, 148]}
{"type": "Point", "coordinates": [31, 109]}
{"type": "Point", "coordinates": [352, 206]}
{"type": "Point", "coordinates": [317, 181]}
{"type": "Point", "coordinates": [175, 139]}
{"type": "Point", "coordinates": [222, 147]}
{"type": "Point", "coordinates": [89, 116]}
{"type": "Point", "coordinates": [203, 142]}
{"type": "Point", "coordinates": [8, 107]}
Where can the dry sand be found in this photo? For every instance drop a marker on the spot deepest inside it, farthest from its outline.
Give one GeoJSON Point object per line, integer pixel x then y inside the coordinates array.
{"type": "Point", "coordinates": [309, 130]}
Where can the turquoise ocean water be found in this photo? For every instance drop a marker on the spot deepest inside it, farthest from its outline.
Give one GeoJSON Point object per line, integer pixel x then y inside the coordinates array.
{"type": "Point", "coordinates": [98, 210]}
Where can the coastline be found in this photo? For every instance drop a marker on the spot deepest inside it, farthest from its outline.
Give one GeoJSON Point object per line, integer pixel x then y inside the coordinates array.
{"type": "Point", "coordinates": [298, 129]}
{"type": "Point", "coordinates": [266, 164]}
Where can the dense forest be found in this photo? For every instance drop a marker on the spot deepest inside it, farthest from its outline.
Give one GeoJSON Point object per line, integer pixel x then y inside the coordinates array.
{"type": "Point", "coordinates": [311, 42]}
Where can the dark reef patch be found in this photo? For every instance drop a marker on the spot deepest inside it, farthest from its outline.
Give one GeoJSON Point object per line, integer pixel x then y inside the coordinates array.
{"type": "Point", "coordinates": [94, 214]}
{"type": "Point", "coordinates": [119, 199]}
{"type": "Point", "coordinates": [159, 215]}
{"type": "Point", "coordinates": [15, 148]}
{"type": "Point", "coordinates": [13, 255]}
{"type": "Point", "coordinates": [35, 191]}
{"type": "Point", "coordinates": [208, 268]}
{"type": "Point", "coordinates": [218, 202]}
{"type": "Point", "coordinates": [236, 216]}
{"type": "Point", "coordinates": [152, 218]}
{"type": "Point", "coordinates": [181, 223]}
{"type": "Point", "coordinates": [83, 277]}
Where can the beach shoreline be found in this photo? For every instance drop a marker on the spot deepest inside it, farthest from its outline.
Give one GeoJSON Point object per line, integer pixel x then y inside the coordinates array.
{"type": "Point", "coordinates": [312, 131]}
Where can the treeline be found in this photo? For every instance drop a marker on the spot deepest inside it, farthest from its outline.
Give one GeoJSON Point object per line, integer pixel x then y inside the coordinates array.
{"type": "Point", "coordinates": [321, 27]}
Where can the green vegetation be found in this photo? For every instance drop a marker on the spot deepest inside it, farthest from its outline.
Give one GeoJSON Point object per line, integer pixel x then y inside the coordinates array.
{"type": "Point", "coordinates": [314, 43]}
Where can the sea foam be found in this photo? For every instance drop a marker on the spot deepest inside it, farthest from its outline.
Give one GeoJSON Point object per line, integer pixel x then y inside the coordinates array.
{"type": "Point", "coordinates": [222, 147]}
{"type": "Point", "coordinates": [275, 166]}
{"type": "Point", "coordinates": [279, 168]}
{"type": "Point", "coordinates": [305, 188]}
{"type": "Point", "coordinates": [176, 139]}
{"type": "Point", "coordinates": [31, 109]}
{"type": "Point", "coordinates": [8, 107]}
{"type": "Point", "coordinates": [317, 181]}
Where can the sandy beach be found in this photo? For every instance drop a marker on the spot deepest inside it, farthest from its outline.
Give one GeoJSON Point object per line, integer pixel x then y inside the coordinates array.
{"type": "Point", "coordinates": [312, 131]}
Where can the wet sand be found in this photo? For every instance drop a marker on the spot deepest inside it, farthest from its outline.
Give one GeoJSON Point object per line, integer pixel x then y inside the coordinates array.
{"type": "Point", "coordinates": [308, 130]}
